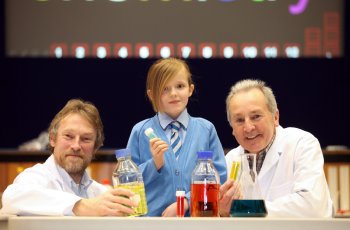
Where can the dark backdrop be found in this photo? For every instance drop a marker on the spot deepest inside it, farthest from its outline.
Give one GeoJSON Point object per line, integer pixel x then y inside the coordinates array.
{"type": "Point", "coordinates": [312, 94]}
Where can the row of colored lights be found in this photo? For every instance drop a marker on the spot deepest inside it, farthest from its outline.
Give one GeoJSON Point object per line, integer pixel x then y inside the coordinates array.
{"type": "Point", "coordinates": [294, 9]}
{"type": "Point", "coordinates": [165, 0]}
{"type": "Point", "coordinates": [184, 50]}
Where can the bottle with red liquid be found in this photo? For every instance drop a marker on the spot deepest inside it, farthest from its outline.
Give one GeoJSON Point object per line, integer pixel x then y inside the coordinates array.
{"type": "Point", "coordinates": [205, 185]}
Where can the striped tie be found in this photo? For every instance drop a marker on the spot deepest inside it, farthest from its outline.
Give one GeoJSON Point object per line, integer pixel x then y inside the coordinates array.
{"type": "Point", "coordinates": [175, 140]}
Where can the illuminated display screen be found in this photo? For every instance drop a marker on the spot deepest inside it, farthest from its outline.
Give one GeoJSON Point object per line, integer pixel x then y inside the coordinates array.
{"type": "Point", "coordinates": [181, 28]}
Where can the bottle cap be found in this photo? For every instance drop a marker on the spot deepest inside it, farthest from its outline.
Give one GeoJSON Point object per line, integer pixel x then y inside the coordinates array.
{"type": "Point", "coordinates": [148, 131]}
{"type": "Point", "coordinates": [205, 154]}
{"type": "Point", "coordinates": [122, 153]}
{"type": "Point", "coordinates": [180, 193]}
{"type": "Point", "coordinates": [106, 181]}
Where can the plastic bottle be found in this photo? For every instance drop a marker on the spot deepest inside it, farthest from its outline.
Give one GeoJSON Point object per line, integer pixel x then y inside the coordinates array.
{"type": "Point", "coordinates": [205, 186]}
{"type": "Point", "coordinates": [127, 175]}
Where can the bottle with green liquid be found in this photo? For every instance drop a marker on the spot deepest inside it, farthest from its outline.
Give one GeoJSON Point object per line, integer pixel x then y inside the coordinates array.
{"type": "Point", "coordinates": [127, 175]}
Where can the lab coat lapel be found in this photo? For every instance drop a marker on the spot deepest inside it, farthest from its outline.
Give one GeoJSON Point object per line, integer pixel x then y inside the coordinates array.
{"type": "Point", "coordinates": [272, 156]}
{"type": "Point", "coordinates": [52, 167]}
{"type": "Point", "coordinates": [270, 162]}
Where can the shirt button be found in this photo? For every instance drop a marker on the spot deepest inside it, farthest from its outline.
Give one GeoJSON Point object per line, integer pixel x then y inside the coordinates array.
{"type": "Point", "coordinates": [177, 172]}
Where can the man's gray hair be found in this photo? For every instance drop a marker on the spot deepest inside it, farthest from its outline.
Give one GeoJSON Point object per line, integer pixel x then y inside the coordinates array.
{"type": "Point", "coordinates": [248, 84]}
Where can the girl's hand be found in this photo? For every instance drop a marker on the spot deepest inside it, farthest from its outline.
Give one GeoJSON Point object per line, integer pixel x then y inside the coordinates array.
{"type": "Point", "coordinates": [170, 211]}
{"type": "Point", "coordinates": [158, 147]}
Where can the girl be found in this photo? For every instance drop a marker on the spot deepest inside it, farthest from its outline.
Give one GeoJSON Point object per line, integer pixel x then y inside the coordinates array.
{"type": "Point", "coordinates": [167, 161]}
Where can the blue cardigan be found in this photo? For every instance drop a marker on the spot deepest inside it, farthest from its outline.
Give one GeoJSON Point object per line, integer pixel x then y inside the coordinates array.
{"type": "Point", "coordinates": [161, 185]}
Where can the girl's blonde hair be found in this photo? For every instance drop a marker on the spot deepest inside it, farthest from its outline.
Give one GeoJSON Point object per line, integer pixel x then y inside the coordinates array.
{"type": "Point", "coordinates": [158, 76]}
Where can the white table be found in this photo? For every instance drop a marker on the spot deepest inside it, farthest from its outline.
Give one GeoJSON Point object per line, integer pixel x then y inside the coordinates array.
{"type": "Point", "coordinates": [158, 223]}
{"type": "Point", "coordinates": [3, 222]}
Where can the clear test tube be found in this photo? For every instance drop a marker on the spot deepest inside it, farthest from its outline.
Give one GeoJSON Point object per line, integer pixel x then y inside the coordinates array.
{"type": "Point", "coordinates": [236, 166]}
{"type": "Point", "coordinates": [180, 202]}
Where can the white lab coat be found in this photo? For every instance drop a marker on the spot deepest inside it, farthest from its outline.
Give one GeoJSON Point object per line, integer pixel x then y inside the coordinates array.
{"type": "Point", "coordinates": [292, 179]}
{"type": "Point", "coordinates": [40, 190]}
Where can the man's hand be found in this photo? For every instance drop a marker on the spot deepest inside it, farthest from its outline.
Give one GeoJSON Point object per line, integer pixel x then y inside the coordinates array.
{"type": "Point", "coordinates": [229, 191]}
{"type": "Point", "coordinates": [114, 202]}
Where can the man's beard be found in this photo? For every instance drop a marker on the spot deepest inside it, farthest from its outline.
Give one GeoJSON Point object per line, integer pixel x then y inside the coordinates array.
{"type": "Point", "coordinates": [74, 167]}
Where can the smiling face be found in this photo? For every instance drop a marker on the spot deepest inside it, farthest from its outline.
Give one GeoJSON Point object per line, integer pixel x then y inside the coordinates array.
{"type": "Point", "coordinates": [175, 95]}
{"type": "Point", "coordinates": [74, 144]}
{"type": "Point", "coordinates": [253, 125]}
